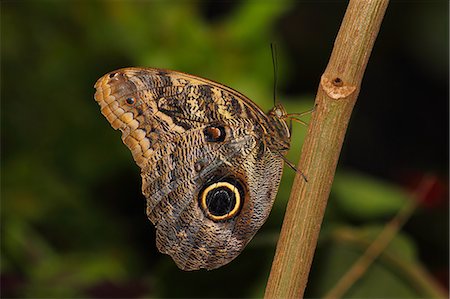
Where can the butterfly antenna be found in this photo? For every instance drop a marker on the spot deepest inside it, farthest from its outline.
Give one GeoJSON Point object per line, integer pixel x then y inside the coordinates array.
{"type": "Point", "coordinates": [273, 48]}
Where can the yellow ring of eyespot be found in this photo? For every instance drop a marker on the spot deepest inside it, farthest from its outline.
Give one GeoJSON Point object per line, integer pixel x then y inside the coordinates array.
{"type": "Point", "coordinates": [237, 196]}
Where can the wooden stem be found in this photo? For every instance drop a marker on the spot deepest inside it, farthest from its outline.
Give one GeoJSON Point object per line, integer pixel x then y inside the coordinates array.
{"type": "Point", "coordinates": [338, 90]}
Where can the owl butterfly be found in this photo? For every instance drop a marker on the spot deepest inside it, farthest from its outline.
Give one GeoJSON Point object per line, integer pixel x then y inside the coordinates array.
{"type": "Point", "coordinates": [211, 160]}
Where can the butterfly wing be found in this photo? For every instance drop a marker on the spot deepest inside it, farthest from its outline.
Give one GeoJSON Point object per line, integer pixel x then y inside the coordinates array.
{"type": "Point", "coordinates": [207, 174]}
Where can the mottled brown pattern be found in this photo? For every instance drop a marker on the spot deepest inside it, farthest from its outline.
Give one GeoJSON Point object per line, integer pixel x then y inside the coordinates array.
{"type": "Point", "coordinates": [164, 128]}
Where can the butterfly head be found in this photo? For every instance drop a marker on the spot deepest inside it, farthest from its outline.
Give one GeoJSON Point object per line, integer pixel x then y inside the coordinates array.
{"type": "Point", "coordinates": [278, 111]}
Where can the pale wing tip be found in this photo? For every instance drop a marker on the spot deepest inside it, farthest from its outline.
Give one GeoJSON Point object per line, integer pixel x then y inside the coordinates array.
{"type": "Point", "coordinates": [100, 89]}
{"type": "Point", "coordinates": [118, 116]}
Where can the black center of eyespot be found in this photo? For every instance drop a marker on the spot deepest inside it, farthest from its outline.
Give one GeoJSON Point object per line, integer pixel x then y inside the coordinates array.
{"type": "Point", "coordinates": [130, 101]}
{"type": "Point", "coordinates": [214, 133]}
{"type": "Point", "coordinates": [220, 201]}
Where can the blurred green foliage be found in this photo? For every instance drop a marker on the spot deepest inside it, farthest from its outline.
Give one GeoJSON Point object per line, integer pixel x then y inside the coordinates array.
{"type": "Point", "coordinates": [73, 219]}
{"type": "Point", "coordinates": [368, 198]}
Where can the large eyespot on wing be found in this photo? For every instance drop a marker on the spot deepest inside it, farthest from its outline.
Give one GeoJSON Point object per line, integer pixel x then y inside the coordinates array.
{"type": "Point", "coordinates": [222, 200]}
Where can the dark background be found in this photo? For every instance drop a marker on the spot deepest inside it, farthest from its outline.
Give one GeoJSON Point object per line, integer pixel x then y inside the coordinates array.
{"type": "Point", "coordinates": [73, 218]}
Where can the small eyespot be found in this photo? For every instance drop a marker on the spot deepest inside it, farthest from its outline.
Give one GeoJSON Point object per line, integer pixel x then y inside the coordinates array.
{"type": "Point", "coordinates": [198, 166]}
{"type": "Point", "coordinates": [130, 101]}
{"type": "Point", "coordinates": [112, 75]}
{"type": "Point", "coordinates": [214, 133]}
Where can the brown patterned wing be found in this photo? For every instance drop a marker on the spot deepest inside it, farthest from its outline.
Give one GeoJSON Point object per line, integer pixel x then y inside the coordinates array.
{"type": "Point", "coordinates": [207, 173]}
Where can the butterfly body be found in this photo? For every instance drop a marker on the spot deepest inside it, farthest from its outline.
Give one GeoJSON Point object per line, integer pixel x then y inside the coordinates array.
{"type": "Point", "coordinates": [211, 160]}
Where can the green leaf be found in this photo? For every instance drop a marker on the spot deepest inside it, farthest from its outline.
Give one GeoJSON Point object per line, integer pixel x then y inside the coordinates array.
{"type": "Point", "coordinates": [396, 273]}
{"type": "Point", "coordinates": [366, 198]}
